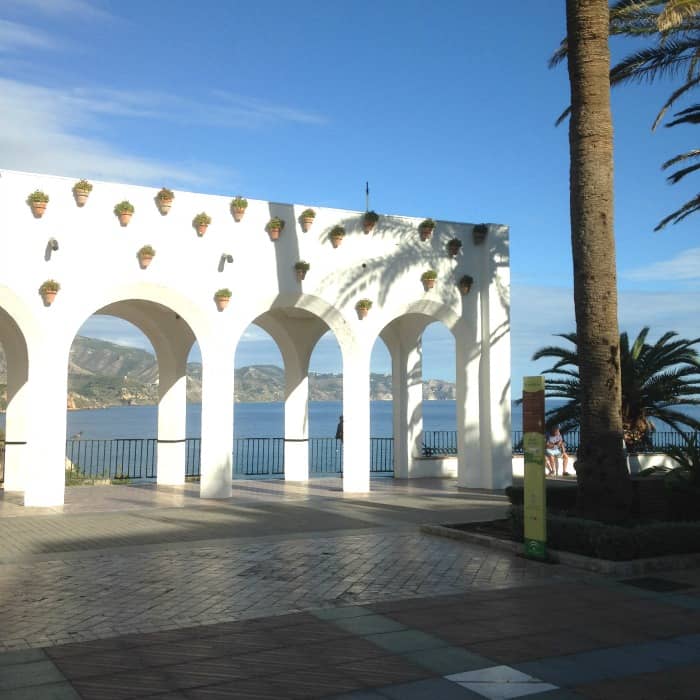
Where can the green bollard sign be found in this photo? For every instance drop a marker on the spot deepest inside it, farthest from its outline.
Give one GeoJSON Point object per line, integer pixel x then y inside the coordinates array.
{"type": "Point", "coordinates": [535, 507]}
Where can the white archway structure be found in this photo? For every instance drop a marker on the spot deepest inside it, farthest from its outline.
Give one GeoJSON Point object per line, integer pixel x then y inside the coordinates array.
{"type": "Point", "coordinates": [172, 302]}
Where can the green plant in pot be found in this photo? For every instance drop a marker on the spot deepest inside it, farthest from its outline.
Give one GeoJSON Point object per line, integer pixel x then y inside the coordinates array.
{"type": "Point", "coordinates": [48, 291]}
{"type": "Point", "coordinates": [274, 227]}
{"type": "Point", "coordinates": [124, 211]}
{"type": "Point", "coordinates": [307, 218]}
{"type": "Point", "coordinates": [301, 267]}
{"type": "Point", "coordinates": [454, 245]}
{"type": "Point", "coordinates": [238, 207]}
{"type": "Point", "coordinates": [426, 228]}
{"type": "Point", "coordinates": [428, 279]}
{"type": "Point", "coordinates": [362, 307]}
{"type": "Point", "coordinates": [369, 220]}
{"type": "Point", "coordinates": [81, 192]}
{"type": "Point", "coordinates": [164, 200]}
{"type": "Point", "coordinates": [465, 284]}
{"type": "Point", "coordinates": [145, 255]}
{"type": "Point", "coordinates": [479, 232]}
{"type": "Point", "coordinates": [222, 297]}
{"type": "Point", "coordinates": [201, 222]}
{"type": "Point", "coordinates": [38, 200]}
{"type": "Point", "coordinates": [336, 235]}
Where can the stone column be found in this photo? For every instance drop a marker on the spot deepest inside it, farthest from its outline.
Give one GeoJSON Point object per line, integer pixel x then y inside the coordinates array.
{"type": "Point", "coordinates": [44, 484]}
{"type": "Point", "coordinates": [216, 451]}
{"type": "Point", "coordinates": [296, 422]}
{"type": "Point", "coordinates": [16, 418]}
{"type": "Point", "coordinates": [172, 415]}
{"type": "Point", "coordinates": [356, 421]}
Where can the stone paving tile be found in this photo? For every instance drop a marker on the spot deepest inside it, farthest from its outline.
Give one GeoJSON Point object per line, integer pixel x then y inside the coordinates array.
{"type": "Point", "coordinates": [50, 691]}
{"type": "Point", "coordinates": [374, 673]}
{"type": "Point", "coordinates": [430, 689]}
{"type": "Point", "coordinates": [30, 673]}
{"type": "Point", "coordinates": [121, 686]}
{"type": "Point", "coordinates": [99, 596]}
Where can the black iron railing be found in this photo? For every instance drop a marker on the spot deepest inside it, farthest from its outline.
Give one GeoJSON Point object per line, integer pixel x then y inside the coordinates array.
{"type": "Point", "coordinates": [381, 455]}
{"type": "Point", "coordinates": [258, 456]}
{"type": "Point", "coordinates": [116, 459]}
{"type": "Point", "coordinates": [439, 442]}
{"type": "Point", "coordinates": [325, 456]}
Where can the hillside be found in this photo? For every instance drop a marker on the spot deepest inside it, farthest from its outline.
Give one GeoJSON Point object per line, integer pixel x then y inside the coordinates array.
{"type": "Point", "coordinates": [102, 374]}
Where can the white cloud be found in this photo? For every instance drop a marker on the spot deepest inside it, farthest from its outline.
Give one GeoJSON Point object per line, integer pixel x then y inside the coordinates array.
{"type": "Point", "coordinates": [38, 133]}
{"type": "Point", "coordinates": [59, 7]}
{"type": "Point", "coordinates": [685, 266]}
{"type": "Point", "coordinates": [14, 36]}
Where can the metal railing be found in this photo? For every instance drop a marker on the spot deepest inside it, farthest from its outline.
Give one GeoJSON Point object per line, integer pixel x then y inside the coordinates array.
{"type": "Point", "coordinates": [136, 458]}
{"type": "Point", "coordinates": [439, 442]}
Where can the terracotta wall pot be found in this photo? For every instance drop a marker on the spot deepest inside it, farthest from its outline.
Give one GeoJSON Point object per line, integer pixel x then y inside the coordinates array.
{"type": "Point", "coordinates": [274, 233]}
{"type": "Point", "coordinates": [145, 261]}
{"type": "Point", "coordinates": [306, 222]}
{"type": "Point", "coordinates": [38, 209]}
{"type": "Point", "coordinates": [221, 302]}
{"type": "Point", "coordinates": [425, 233]}
{"type": "Point", "coordinates": [428, 284]}
{"type": "Point", "coordinates": [125, 218]}
{"type": "Point", "coordinates": [465, 289]}
{"type": "Point", "coordinates": [362, 313]}
{"type": "Point", "coordinates": [367, 226]}
{"type": "Point", "coordinates": [164, 206]}
{"type": "Point", "coordinates": [202, 229]}
{"type": "Point", "coordinates": [479, 233]}
{"type": "Point", "coordinates": [301, 274]}
{"type": "Point", "coordinates": [81, 197]}
{"type": "Point", "coordinates": [48, 297]}
{"type": "Point", "coordinates": [238, 213]}
{"type": "Point", "coordinates": [336, 241]}
{"type": "Point", "coordinates": [453, 250]}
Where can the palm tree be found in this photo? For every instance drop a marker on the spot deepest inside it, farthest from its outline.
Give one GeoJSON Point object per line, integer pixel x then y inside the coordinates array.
{"type": "Point", "coordinates": [604, 491]}
{"type": "Point", "coordinates": [657, 379]}
{"type": "Point", "coordinates": [675, 27]}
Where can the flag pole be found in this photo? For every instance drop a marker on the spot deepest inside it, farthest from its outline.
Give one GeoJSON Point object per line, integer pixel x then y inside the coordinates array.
{"type": "Point", "coordinates": [367, 196]}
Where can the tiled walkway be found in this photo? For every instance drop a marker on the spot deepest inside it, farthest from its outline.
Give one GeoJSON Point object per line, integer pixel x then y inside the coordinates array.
{"type": "Point", "coordinates": [301, 592]}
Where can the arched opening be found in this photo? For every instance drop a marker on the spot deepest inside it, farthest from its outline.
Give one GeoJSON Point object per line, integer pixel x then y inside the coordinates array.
{"type": "Point", "coordinates": [14, 367]}
{"type": "Point", "coordinates": [424, 416]}
{"type": "Point", "coordinates": [258, 424]}
{"type": "Point", "coordinates": [326, 408]}
{"type": "Point", "coordinates": [133, 412]}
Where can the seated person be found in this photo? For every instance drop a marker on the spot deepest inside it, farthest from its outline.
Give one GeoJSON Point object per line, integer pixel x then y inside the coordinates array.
{"type": "Point", "coordinates": [555, 447]}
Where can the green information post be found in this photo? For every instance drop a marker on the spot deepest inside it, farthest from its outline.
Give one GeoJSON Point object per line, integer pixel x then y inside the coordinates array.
{"type": "Point", "coordinates": [535, 506]}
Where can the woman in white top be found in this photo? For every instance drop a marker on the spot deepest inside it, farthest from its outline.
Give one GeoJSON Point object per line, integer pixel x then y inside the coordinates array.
{"type": "Point", "coordinates": [555, 447]}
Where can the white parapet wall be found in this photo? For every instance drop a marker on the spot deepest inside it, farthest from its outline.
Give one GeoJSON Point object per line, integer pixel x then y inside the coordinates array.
{"type": "Point", "coordinates": [172, 300]}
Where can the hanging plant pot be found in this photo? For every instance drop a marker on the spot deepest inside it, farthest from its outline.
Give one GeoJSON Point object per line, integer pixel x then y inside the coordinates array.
{"type": "Point", "coordinates": [307, 218]}
{"type": "Point", "coordinates": [465, 284]}
{"type": "Point", "coordinates": [164, 200]}
{"type": "Point", "coordinates": [301, 267]}
{"type": "Point", "coordinates": [238, 207]}
{"type": "Point", "coordinates": [145, 256]}
{"type": "Point", "coordinates": [362, 307]}
{"type": "Point", "coordinates": [48, 291]}
{"type": "Point", "coordinates": [454, 245]}
{"type": "Point", "coordinates": [124, 211]}
{"type": "Point", "coordinates": [426, 228]}
{"type": "Point", "coordinates": [336, 235]}
{"type": "Point", "coordinates": [274, 228]}
{"type": "Point", "coordinates": [428, 279]}
{"type": "Point", "coordinates": [201, 223]}
{"type": "Point", "coordinates": [38, 200]}
{"type": "Point", "coordinates": [81, 192]}
{"type": "Point", "coordinates": [369, 220]}
{"type": "Point", "coordinates": [222, 298]}
{"type": "Point", "coordinates": [479, 232]}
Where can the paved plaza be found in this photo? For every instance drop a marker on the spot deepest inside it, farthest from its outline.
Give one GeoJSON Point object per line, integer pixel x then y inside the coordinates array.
{"type": "Point", "coordinates": [302, 591]}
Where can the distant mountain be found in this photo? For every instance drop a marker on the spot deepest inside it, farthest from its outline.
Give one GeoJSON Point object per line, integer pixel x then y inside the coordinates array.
{"type": "Point", "coordinates": [105, 374]}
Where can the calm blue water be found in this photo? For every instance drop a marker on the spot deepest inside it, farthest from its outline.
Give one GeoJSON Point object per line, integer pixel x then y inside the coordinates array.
{"type": "Point", "coordinates": [250, 419]}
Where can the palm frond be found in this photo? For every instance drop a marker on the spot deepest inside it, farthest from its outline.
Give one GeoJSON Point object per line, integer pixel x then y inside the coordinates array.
{"type": "Point", "coordinates": [691, 115]}
{"type": "Point", "coordinates": [680, 158]}
{"type": "Point", "coordinates": [677, 216]}
{"type": "Point", "coordinates": [674, 96]}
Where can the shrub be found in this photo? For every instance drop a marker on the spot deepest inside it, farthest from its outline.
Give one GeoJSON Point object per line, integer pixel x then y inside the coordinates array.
{"type": "Point", "coordinates": [38, 196]}
{"type": "Point", "coordinates": [82, 186]}
{"type": "Point", "coordinates": [275, 222]}
{"type": "Point", "coordinates": [427, 224]}
{"type": "Point", "coordinates": [147, 251]}
{"type": "Point", "coordinates": [239, 203]}
{"type": "Point", "coordinates": [202, 220]}
{"type": "Point", "coordinates": [49, 286]}
{"type": "Point", "coordinates": [337, 231]}
{"type": "Point", "coordinates": [364, 304]}
{"type": "Point", "coordinates": [124, 207]}
{"type": "Point", "coordinates": [454, 243]}
{"type": "Point", "coordinates": [466, 281]}
{"type": "Point", "coordinates": [224, 293]}
{"type": "Point", "coordinates": [302, 265]}
{"type": "Point", "coordinates": [371, 217]}
{"type": "Point", "coordinates": [308, 214]}
{"type": "Point", "coordinates": [429, 275]}
{"type": "Point", "coordinates": [165, 194]}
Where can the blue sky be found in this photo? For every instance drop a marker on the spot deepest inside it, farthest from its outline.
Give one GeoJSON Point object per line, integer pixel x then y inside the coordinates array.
{"type": "Point", "coordinates": [447, 109]}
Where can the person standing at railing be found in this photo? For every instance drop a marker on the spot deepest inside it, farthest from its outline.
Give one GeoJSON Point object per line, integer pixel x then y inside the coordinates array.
{"type": "Point", "coordinates": [339, 429]}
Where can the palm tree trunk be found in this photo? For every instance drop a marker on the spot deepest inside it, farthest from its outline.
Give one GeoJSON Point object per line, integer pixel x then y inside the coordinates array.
{"type": "Point", "coordinates": [603, 480]}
